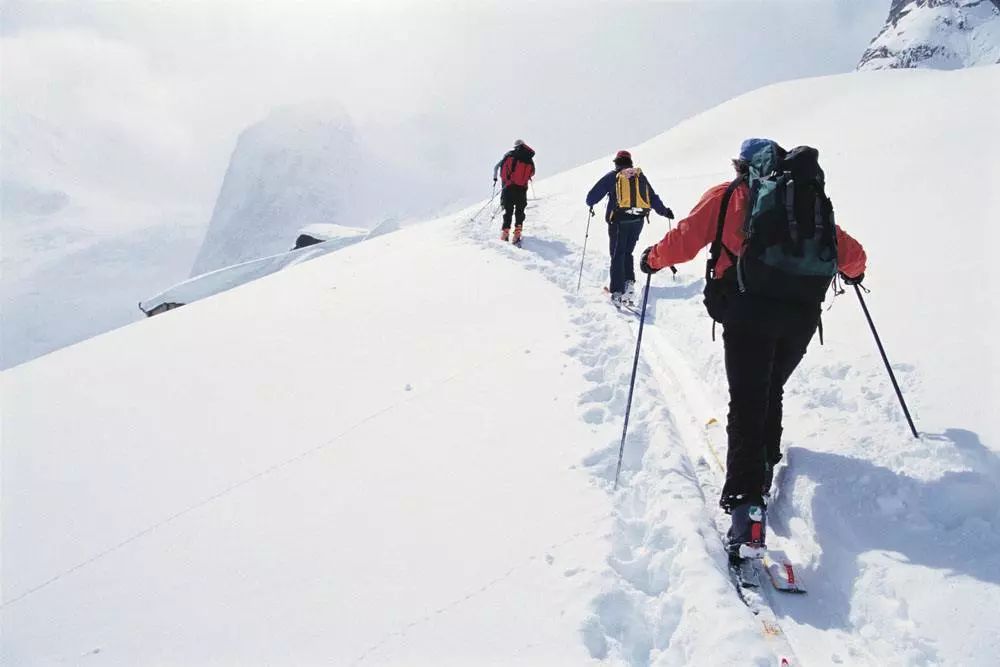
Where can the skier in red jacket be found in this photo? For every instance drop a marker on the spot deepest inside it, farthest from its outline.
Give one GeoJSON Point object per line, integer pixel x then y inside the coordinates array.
{"type": "Point", "coordinates": [764, 340]}
{"type": "Point", "coordinates": [516, 168]}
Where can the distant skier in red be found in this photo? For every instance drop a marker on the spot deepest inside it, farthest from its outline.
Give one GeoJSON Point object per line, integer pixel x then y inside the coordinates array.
{"type": "Point", "coordinates": [516, 168]}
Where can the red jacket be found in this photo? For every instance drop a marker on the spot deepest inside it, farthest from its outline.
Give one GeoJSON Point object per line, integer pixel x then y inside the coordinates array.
{"type": "Point", "coordinates": [698, 230]}
{"type": "Point", "coordinates": [516, 172]}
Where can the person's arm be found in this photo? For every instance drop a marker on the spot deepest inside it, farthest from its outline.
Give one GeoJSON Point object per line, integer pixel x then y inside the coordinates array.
{"type": "Point", "coordinates": [657, 203]}
{"type": "Point", "coordinates": [692, 233]}
{"type": "Point", "coordinates": [496, 169]}
{"type": "Point", "coordinates": [601, 189]}
{"type": "Point", "coordinates": [851, 257]}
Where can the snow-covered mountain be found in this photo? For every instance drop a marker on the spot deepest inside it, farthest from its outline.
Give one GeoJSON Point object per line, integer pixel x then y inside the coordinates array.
{"type": "Point", "coordinates": [942, 34]}
{"type": "Point", "coordinates": [402, 453]}
{"type": "Point", "coordinates": [301, 165]}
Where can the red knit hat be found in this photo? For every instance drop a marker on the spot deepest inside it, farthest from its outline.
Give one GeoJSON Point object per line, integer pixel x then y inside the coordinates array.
{"type": "Point", "coordinates": [623, 155]}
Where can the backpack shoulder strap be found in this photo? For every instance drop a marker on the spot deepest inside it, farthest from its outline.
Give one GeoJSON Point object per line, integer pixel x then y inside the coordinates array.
{"type": "Point", "coordinates": [717, 246]}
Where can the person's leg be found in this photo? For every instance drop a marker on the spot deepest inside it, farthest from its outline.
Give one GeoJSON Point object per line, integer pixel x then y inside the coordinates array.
{"type": "Point", "coordinates": [749, 358]}
{"type": "Point", "coordinates": [617, 260]}
{"type": "Point", "coordinates": [508, 207]}
{"type": "Point", "coordinates": [630, 237]}
{"type": "Point", "coordinates": [788, 352]}
{"type": "Point", "coordinates": [520, 197]}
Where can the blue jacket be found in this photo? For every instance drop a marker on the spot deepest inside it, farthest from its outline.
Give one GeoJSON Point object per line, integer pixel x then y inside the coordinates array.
{"type": "Point", "coordinates": [606, 188]}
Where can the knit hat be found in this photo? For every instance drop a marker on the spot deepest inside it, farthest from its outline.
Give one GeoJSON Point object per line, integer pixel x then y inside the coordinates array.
{"type": "Point", "coordinates": [749, 147]}
{"type": "Point", "coordinates": [518, 142]}
{"type": "Point", "coordinates": [623, 159]}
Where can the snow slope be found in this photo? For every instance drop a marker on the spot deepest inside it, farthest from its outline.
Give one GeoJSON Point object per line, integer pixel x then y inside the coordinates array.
{"type": "Point", "coordinates": [942, 34]}
{"type": "Point", "coordinates": [402, 453]}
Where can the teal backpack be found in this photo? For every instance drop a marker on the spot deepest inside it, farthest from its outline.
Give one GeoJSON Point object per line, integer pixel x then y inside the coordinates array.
{"type": "Point", "coordinates": [790, 242]}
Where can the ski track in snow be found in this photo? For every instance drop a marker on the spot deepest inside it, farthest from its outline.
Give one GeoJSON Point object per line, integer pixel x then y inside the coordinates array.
{"type": "Point", "coordinates": [672, 468]}
{"type": "Point", "coordinates": [662, 537]}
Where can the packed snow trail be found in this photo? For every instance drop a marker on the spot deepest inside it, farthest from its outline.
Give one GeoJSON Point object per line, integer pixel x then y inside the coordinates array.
{"type": "Point", "coordinates": [666, 569]}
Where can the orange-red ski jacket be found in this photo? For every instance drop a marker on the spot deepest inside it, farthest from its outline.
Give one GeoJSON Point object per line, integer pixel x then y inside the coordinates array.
{"type": "Point", "coordinates": [698, 230]}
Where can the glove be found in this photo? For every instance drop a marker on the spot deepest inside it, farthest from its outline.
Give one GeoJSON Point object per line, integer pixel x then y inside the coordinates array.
{"type": "Point", "coordinates": [669, 215]}
{"type": "Point", "coordinates": [494, 180]}
{"type": "Point", "coordinates": [591, 211]}
{"type": "Point", "coordinates": [644, 264]}
{"type": "Point", "coordinates": [852, 281]}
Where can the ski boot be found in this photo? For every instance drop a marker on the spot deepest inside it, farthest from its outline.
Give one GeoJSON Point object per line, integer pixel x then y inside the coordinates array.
{"type": "Point", "coordinates": [628, 296]}
{"type": "Point", "coordinates": [516, 239]}
{"type": "Point", "coordinates": [745, 539]}
{"type": "Point", "coordinates": [504, 234]}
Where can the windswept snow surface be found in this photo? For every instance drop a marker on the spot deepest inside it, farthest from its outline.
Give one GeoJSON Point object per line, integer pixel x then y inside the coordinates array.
{"type": "Point", "coordinates": [403, 453]}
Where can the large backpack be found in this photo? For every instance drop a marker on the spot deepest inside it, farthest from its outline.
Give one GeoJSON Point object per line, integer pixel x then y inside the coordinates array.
{"type": "Point", "coordinates": [789, 249]}
{"type": "Point", "coordinates": [519, 166]}
{"type": "Point", "coordinates": [631, 194]}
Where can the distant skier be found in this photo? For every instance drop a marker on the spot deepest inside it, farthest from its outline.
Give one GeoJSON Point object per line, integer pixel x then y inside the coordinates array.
{"type": "Point", "coordinates": [516, 169]}
{"type": "Point", "coordinates": [766, 292]}
{"type": "Point", "coordinates": [630, 198]}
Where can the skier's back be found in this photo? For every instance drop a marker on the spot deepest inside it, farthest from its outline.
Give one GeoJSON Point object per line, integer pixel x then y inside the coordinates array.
{"type": "Point", "coordinates": [765, 336]}
{"type": "Point", "coordinates": [630, 198]}
{"type": "Point", "coordinates": [515, 169]}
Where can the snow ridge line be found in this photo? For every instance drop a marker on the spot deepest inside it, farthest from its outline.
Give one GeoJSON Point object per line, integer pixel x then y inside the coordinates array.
{"type": "Point", "coordinates": [411, 396]}
{"type": "Point", "coordinates": [659, 546]}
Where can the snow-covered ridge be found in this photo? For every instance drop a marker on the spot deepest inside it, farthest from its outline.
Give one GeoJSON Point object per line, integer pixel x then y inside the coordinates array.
{"type": "Point", "coordinates": [322, 239]}
{"type": "Point", "coordinates": [941, 34]}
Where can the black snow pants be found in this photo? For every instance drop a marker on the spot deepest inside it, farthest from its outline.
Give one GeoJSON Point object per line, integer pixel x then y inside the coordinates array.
{"type": "Point", "coordinates": [514, 199]}
{"type": "Point", "coordinates": [759, 360]}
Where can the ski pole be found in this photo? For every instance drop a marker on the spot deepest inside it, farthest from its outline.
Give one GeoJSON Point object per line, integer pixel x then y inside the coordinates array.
{"type": "Point", "coordinates": [493, 194]}
{"type": "Point", "coordinates": [631, 384]}
{"type": "Point", "coordinates": [885, 360]}
{"type": "Point", "coordinates": [584, 253]}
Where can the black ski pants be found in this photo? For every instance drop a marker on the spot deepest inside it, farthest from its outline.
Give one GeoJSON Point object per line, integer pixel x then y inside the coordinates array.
{"type": "Point", "coordinates": [622, 237]}
{"type": "Point", "coordinates": [759, 360]}
{"type": "Point", "coordinates": [514, 200]}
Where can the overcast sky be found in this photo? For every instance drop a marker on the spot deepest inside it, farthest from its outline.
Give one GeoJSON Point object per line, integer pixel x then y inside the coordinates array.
{"type": "Point", "coordinates": [175, 82]}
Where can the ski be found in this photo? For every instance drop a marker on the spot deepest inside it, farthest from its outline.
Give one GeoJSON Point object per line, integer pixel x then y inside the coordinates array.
{"type": "Point", "coordinates": [624, 306]}
{"type": "Point", "coordinates": [781, 573]}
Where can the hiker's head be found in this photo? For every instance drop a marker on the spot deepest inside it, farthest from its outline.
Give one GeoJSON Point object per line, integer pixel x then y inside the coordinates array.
{"type": "Point", "coordinates": [623, 160]}
{"type": "Point", "coordinates": [748, 149]}
{"type": "Point", "coordinates": [518, 143]}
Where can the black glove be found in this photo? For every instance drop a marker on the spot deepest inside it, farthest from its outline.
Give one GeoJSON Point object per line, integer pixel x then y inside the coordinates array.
{"type": "Point", "coordinates": [494, 180]}
{"type": "Point", "coordinates": [852, 281]}
{"type": "Point", "coordinates": [644, 265]}
{"type": "Point", "coordinates": [591, 211]}
{"type": "Point", "coordinates": [669, 215]}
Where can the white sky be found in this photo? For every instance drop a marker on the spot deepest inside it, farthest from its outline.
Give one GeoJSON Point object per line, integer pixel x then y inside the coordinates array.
{"type": "Point", "coordinates": [171, 84]}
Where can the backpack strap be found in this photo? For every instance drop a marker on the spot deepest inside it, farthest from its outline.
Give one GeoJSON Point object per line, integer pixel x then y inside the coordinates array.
{"type": "Point", "coordinates": [715, 251]}
{"type": "Point", "coordinates": [794, 242]}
